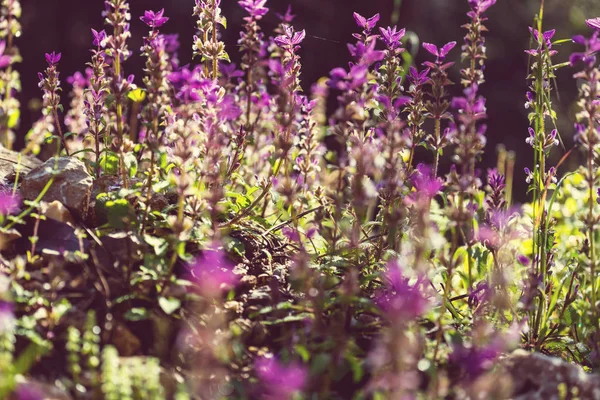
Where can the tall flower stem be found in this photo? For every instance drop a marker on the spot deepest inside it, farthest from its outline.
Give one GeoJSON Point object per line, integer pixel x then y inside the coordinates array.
{"type": "Point", "coordinates": [587, 136]}
{"type": "Point", "coordinates": [542, 73]}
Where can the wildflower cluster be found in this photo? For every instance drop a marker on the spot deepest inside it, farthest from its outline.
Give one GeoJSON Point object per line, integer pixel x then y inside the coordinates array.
{"type": "Point", "coordinates": [222, 231]}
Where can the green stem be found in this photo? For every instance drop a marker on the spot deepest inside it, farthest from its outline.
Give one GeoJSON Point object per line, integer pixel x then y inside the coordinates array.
{"type": "Point", "coordinates": [438, 128]}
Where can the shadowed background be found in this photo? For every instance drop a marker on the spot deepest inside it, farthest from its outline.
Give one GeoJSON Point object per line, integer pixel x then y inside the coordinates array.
{"type": "Point", "coordinates": [64, 26]}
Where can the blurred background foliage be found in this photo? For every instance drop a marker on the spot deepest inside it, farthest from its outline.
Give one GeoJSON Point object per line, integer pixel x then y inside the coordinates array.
{"type": "Point", "coordinates": [64, 25]}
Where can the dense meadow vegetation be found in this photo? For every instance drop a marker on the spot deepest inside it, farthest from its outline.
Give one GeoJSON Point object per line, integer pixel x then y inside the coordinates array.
{"type": "Point", "coordinates": [207, 230]}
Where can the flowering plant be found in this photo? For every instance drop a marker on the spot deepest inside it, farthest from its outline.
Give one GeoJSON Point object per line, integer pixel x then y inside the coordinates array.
{"type": "Point", "coordinates": [218, 229]}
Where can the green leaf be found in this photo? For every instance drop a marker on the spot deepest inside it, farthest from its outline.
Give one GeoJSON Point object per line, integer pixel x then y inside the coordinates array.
{"type": "Point", "coordinates": [109, 163]}
{"type": "Point", "coordinates": [159, 245]}
{"type": "Point", "coordinates": [13, 119]}
{"type": "Point", "coordinates": [320, 363]}
{"type": "Point", "coordinates": [169, 304]}
{"type": "Point", "coordinates": [356, 366]}
{"type": "Point", "coordinates": [303, 352]}
{"type": "Point", "coordinates": [137, 95]}
{"type": "Point", "coordinates": [137, 314]}
{"type": "Point", "coordinates": [131, 164]}
{"type": "Point", "coordinates": [290, 318]}
{"type": "Point", "coordinates": [119, 213]}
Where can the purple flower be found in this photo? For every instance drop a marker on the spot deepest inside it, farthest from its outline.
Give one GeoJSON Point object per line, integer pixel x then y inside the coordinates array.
{"type": "Point", "coordinates": [5, 60]}
{"type": "Point", "coordinates": [439, 53]}
{"type": "Point", "coordinates": [279, 381]}
{"type": "Point", "coordinates": [290, 38]}
{"type": "Point", "coordinates": [78, 80]}
{"type": "Point", "coordinates": [53, 58]}
{"type": "Point", "coordinates": [366, 53]}
{"type": "Point", "coordinates": [531, 139]}
{"type": "Point", "coordinates": [228, 109]}
{"type": "Point", "coordinates": [481, 6]}
{"type": "Point", "coordinates": [288, 17]}
{"type": "Point", "coordinates": [291, 233]}
{"type": "Point", "coordinates": [496, 180]}
{"type": "Point", "coordinates": [344, 81]}
{"type": "Point", "coordinates": [470, 362]}
{"type": "Point", "coordinates": [592, 45]}
{"type": "Point", "coordinates": [28, 392]}
{"type": "Point", "coordinates": [523, 260]}
{"type": "Point", "coordinates": [418, 78]}
{"type": "Point", "coordinates": [401, 300]}
{"type": "Point", "coordinates": [593, 23]}
{"type": "Point", "coordinates": [471, 107]}
{"type": "Point", "coordinates": [366, 24]}
{"type": "Point", "coordinates": [426, 186]}
{"type": "Point", "coordinates": [9, 203]}
{"type": "Point", "coordinates": [100, 38]}
{"type": "Point", "coordinates": [479, 295]}
{"type": "Point", "coordinates": [544, 42]}
{"type": "Point", "coordinates": [528, 175]}
{"type": "Point", "coordinates": [391, 36]}
{"type": "Point", "coordinates": [212, 272]}
{"type": "Point", "coordinates": [256, 8]}
{"type": "Point", "coordinates": [187, 83]}
{"type": "Point", "coordinates": [154, 19]}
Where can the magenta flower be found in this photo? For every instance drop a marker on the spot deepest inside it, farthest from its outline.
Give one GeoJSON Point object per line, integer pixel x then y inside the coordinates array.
{"type": "Point", "coordinates": [593, 23]}
{"type": "Point", "coordinates": [154, 19]}
{"type": "Point", "coordinates": [366, 24]}
{"type": "Point", "coordinates": [288, 17]}
{"type": "Point", "coordinates": [5, 60]}
{"type": "Point", "coordinates": [342, 80]}
{"type": "Point", "coordinates": [78, 79]}
{"type": "Point", "coordinates": [471, 362]}
{"type": "Point", "coordinates": [229, 71]}
{"type": "Point", "coordinates": [228, 109]}
{"type": "Point", "coordinates": [256, 8]}
{"type": "Point", "coordinates": [291, 233]}
{"type": "Point", "coordinates": [418, 78]}
{"type": "Point", "coordinates": [523, 260]}
{"type": "Point", "coordinates": [187, 84]}
{"type": "Point", "coordinates": [481, 6]}
{"type": "Point", "coordinates": [53, 58]}
{"type": "Point", "coordinates": [290, 38]}
{"type": "Point", "coordinates": [496, 180]}
{"type": "Point", "coordinates": [401, 300]}
{"type": "Point", "coordinates": [425, 184]}
{"type": "Point", "coordinates": [28, 392]}
{"type": "Point", "coordinates": [279, 381]}
{"type": "Point", "coordinates": [391, 36]}
{"type": "Point", "coordinates": [9, 203]}
{"type": "Point", "coordinates": [212, 272]}
{"type": "Point", "coordinates": [439, 53]}
{"type": "Point", "coordinates": [479, 295]}
{"type": "Point", "coordinates": [366, 53]}
{"type": "Point", "coordinates": [544, 41]}
{"type": "Point", "coordinates": [592, 46]}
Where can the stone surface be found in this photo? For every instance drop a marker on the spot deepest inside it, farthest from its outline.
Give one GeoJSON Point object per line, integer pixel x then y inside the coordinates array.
{"type": "Point", "coordinates": [10, 163]}
{"type": "Point", "coordinates": [72, 184]}
{"type": "Point", "coordinates": [57, 211]}
{"type": "Point", "coordinates": [536, 376]}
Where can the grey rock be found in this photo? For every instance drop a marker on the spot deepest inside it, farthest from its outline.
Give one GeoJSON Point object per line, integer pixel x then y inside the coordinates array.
{"type": "Point", "coordinates": [72, 184]}
{"type": "Point", "coordinates": [537, 376]}
{"type": "Point", "coordinates": [12, 162]}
